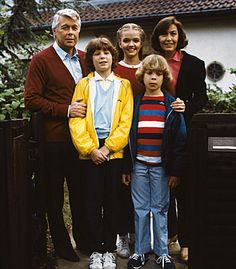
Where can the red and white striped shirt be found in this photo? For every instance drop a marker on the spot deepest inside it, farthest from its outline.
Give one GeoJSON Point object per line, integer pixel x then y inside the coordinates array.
{"type": "Point", "coordinates": [151, 124]}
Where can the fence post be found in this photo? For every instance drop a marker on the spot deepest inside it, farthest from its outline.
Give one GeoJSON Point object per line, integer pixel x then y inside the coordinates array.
{"type": "Point", "coordinates": [37, 172]}
{"type": "Point", "coordinates": [15, 224]}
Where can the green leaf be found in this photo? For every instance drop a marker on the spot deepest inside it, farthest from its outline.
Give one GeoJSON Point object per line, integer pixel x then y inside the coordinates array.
{"type": "Point", "coordinates": [2, 117]}
{"type": "Point", "coordinates": [15, 104]}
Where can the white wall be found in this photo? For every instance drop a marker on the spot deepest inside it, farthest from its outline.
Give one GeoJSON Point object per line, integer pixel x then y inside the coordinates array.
{"type": "Point", "coordinates": [84, 38]}
{"type": "Point", "coordinates": [214, 41]}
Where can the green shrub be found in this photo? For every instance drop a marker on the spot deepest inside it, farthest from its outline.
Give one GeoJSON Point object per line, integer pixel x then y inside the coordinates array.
{"type": "Point", "coordinates": [12, 90]}
{"type": "Point", "coordinates": [12, 104]}
{"type": "Point", "coordinates": [222, 102]}
{"type": "Point", "coordinates": [12, 78]}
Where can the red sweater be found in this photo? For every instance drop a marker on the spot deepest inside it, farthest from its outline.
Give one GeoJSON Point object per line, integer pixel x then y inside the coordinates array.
{"type": "Point", "coordinates": [129, 73]}
{"type": "Point", "coordinates": [49, 88]}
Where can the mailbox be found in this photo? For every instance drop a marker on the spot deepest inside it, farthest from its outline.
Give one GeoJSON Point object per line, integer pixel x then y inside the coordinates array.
{"type": "Point", "coordinates": [212, 140]}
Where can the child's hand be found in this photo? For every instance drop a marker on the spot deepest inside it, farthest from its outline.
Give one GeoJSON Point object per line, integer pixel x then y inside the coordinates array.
{"type": "Point", "coordinates": [178, 105]}
{"type": "Point", "coordinates": [126, 179]}
{"type": "Point", "coordinates": [97, 156]}
{"type": "Point", "coordinates": [173, 181]}
{"type": "Point", "coordinates": [104, 150]}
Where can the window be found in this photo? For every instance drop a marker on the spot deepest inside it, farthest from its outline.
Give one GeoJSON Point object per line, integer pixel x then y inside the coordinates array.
{"type": "Point", "coordinates": [215, 71]}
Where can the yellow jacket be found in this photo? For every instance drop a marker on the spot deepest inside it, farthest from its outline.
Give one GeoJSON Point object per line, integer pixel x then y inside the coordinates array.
{"type": "Point", "coordinates": [82, 131]}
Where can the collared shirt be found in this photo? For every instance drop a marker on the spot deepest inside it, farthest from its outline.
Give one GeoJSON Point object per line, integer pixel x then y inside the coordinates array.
{"type": "Point", "coordinates": [175, 64]}
{"type": "Point", "coordinates": [105, 83]}
{"type": "Point", "coordinates": [123, 63]}
{"type": "Point", "coordinates": [102, 105]}
{"type": "Point", "coordinates": [71, 63]}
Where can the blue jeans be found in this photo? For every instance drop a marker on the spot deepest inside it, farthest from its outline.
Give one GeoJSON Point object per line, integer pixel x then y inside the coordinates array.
{"type": "Point", "coordinates": [150, 193]}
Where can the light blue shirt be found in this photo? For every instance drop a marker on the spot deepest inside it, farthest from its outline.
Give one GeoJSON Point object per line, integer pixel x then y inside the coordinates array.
{"type": "Point", "coordinates": [71, 63]}
{"type": "Point", "coordinates": [103, 105]}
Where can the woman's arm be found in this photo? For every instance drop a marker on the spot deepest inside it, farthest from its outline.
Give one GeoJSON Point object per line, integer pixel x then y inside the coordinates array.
{"type": "Point", "coordinates": [178, 105]}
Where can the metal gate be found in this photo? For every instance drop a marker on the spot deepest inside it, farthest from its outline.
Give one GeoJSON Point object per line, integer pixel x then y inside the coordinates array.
{"type": "Point", "coordinates": [15, 224]}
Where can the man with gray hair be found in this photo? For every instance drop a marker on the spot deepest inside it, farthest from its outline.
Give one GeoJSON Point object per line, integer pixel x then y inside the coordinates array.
{"type": "Point", "coordinates": [50, 82]}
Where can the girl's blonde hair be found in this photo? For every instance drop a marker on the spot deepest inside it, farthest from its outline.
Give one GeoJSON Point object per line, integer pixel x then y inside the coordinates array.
{"type": "Point", "coordinates": [157, 64]}
{"type": "Point", "coordinates": [126, 27]}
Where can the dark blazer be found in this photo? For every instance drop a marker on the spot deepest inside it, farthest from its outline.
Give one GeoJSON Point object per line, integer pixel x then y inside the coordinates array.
{"type": "Point", "coordinates": [191, 86]}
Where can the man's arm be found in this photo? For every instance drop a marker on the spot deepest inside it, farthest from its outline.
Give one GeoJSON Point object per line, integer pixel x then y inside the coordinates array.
{"type": "Point", "coordinates": [36, 89]}
{"type": "Point", "coordinates": [37, 79]}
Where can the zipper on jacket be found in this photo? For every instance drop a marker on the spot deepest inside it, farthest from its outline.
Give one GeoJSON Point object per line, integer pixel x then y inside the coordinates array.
{"type": "Point", "coordinates": [131, 154]}
{"type": "Point", "coordinates": [87, 86]}
{"type": "Point", "coordinates": [169, 114]}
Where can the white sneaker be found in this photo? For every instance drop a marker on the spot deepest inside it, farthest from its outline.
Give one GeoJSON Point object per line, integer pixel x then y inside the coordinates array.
{"type": "Point", "coordinates": [123, 249]}
{"type": "Point", "coordinates": [165, 262]}
{"type": "Point", "coordinates": [109, 261]}
{"type": "Point", "coordinates": [96, 261]}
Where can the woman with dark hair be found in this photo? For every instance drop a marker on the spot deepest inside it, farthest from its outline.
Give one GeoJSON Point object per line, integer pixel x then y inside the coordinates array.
{"type": "Point", "coordinates": [161, 29]}
{"type": "Point", "coordinates": [188, 71]}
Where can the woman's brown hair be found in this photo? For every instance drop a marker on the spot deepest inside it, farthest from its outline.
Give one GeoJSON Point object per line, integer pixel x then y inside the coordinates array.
{"type": "Point", "coordinates": [162, 27]}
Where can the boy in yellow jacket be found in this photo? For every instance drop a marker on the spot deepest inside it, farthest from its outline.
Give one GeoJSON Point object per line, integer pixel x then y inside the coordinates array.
{"type": "Point", "coordinates": [100, 139]}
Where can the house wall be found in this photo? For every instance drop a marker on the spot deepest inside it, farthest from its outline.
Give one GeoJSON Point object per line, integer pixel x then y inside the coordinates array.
{"type": "Point", "coordinates": [85, 37]}
{"type": "Point", "coordinates": [214, 41]}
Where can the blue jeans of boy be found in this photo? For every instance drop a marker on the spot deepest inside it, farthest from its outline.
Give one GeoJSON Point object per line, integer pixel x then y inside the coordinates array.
{"type": "Point", "coordinates": [150, 193]}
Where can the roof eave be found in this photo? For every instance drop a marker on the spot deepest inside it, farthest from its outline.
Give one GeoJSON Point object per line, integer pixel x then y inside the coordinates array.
{"type": "Point", "coordinates": [161, 15]}
{"type": "Point", "coordinates": [147, 17]}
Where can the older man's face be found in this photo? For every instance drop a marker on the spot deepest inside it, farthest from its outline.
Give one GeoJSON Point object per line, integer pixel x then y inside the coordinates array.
{"type": "Point", "coordinates": [67, 34]}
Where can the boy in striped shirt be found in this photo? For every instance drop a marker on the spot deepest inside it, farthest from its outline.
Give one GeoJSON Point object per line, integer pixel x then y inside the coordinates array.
{"type": "Point", "coordinates": [157, 152]}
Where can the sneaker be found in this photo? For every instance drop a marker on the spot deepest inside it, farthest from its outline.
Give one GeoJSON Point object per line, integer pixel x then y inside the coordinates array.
{"type": "Point", "coordinates": [109, 261]}
{"type": "Point", "coordinates": [123, 249]}
{"type": "Point", "coordinates": [137, 261]}
{"type": "Point", "coordinates": [165, 262]}
{"type": "Point", "coordinates": [96, 261]}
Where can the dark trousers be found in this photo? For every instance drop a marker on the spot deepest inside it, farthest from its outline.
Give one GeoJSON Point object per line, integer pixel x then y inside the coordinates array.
{"type": "Point", "coordinates": [179, 224]}
{"type": "Point", "coordinates": [125, 210]}
{"type": "Point", "coordinates": [101, 197]}
{"type": "Point", "coordinates": [172, 216]}
{"type": "Point", "coordinates": [62, 162]}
